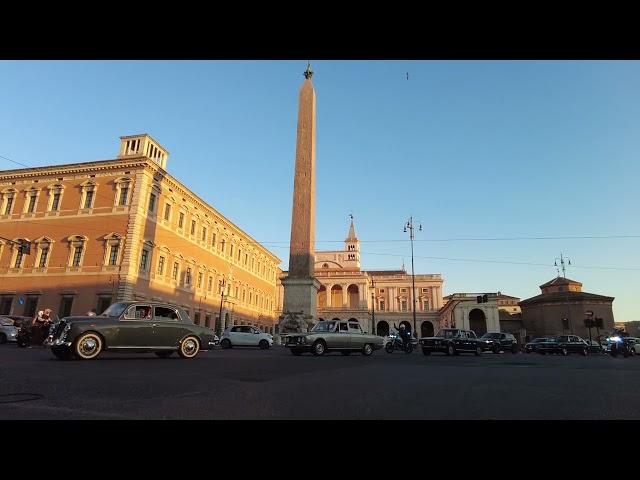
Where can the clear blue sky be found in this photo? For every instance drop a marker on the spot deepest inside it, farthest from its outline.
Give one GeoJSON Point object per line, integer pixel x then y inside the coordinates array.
{"type": "Point", "coordinates": [473, 149]}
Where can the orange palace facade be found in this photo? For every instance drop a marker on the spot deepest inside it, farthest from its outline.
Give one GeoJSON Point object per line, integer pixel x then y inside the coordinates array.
{"type": "Point", "coordinates": [125, 229]}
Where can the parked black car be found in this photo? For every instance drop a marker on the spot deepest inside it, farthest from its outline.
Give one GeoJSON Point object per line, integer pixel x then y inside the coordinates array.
{"type": "Point", "coordinates": [499, 342]}
{"type": "Point", "coordinates": [452, 341]}
{"type": "Point", "coordinates": [533, 345]}
{"type": "Point", "coordinates": [594, 347]}
{"type": "Point", "coordinates": [564, 345]}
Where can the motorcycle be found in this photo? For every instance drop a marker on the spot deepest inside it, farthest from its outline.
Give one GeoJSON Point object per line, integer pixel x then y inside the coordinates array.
{"type": "Point", "coordinates": [395, 343]}
{"type": "Point", "coordinates": [620, 345]}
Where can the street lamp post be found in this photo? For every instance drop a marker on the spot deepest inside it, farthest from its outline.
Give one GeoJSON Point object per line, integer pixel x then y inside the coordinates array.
{"type": "Point", "coordinates": [409, 225]}
{"type": "Point", "coordinates": [373, 307]}
{"type": "Point", "coordinates": [563, 267]}
{"type": "Point", "coordinates": [222, 284]}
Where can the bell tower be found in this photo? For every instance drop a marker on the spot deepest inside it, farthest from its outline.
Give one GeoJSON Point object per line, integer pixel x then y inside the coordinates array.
{"type": "Point", "coordinates": [352, 247]}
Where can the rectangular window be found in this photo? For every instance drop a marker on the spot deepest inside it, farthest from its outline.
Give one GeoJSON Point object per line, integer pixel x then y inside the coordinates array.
{"type": "Point", "coordinates": [5, 305]}
{"type": "Point", "coordinates": [204, 234]}
{"type": "Point", "coordinates": [19, 258]}
{"type": "Point", "coordinates": [187, 278]}
{"type": "Point", "coordinates": [32, 204]}
{"type": "Point", "coordinates": [77, 256]}
{"type": "Point", "coordinates": [210, 286]}
{"type": "Point", "coordinates": [231, 250]}
{"type": "Point", "coordinates": [103, 304]}
{"type": "Point", "coordinates": [124, 194]}
{"type": "Point", "coordinates": [193, 227]}
{"type": "Point", "coordinates": [237, 289]}
{"type": "Point", "coordinates": [143, 260]}
{"type": "Point", "coordinates": [167, 212]}
{"type": "Point", "coordinates": [7, 210]}
{"type": "Point", "coordinates": [199, 279]}
{"type": "Point", "coordinates": [31, 306]}
{"type": "Point", "coordinates": [425, 290]}
{"type": "Point", "coordinates": [56, 202]}
{"type": "Point", "coordinates": [181, 220]}
{"type": "Point", "coordinates": [403, 305]}
{"type": "Point", "coordinates": [174, 272]}
{"type": "Point", "coordinates": [196, 318]}
{"type": "Point", "coordinates": [425, 305]}
{"type": "Point", "coordinates": [246, 258]}
{"type": "Point", "coordinates": [113, 254]}
{"type": "Point", "coordinates": [65, 307]}
{"type": "Point", "coordinates": [222, 246]}
{"type": "Point", "coordinates": [44, 253]}
{"type": "Point", "coordinates": [213, 241]}
{"type": "Point", "coordinates": [381, 305]}
{"type": "Point", "coordinates": [403, 290]}
{"type": "Point", "coordinates": [152, 202]}
{"type": "Point", "coordinates": [161, 266]}
{"type": "Point", "coordinates": [88, 199]}
{"type": "Point", "coordinates": [382, 290]}
{"type": "Point", "coordinates": [244, 295]}
{"type": "Point", "coordinates": [239, 254]}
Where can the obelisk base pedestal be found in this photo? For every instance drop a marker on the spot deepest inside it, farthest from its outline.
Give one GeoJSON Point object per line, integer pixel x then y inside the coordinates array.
{"type": "Point", "coordinates": [299, 313]}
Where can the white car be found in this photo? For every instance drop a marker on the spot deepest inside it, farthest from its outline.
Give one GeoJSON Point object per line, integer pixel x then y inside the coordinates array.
{"type": "Point", "coordinates": [636, 344]}
{"type": "Point", "coordinates": [245, 336]}
{"type": "Point", "coordinates": [8, 331]}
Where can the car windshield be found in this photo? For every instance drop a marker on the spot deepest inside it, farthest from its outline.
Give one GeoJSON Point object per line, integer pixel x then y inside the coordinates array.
{"type": "Point", "coordinates": [324, 327]}
{"type": "Point", "coordinates": [491, 335]}
{"type": "Point", "coordinates": [114, 310]}
{"type": "Point", "coordinates": [448, 333]}
{"type": "Point", "coordinates": [6, 322]}
{"type": "Point", "coordinates": [538, 340]}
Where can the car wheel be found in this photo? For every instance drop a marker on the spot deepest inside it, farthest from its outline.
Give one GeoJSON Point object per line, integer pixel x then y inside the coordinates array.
{"type": "Point", "coordinates": [226, 343]}
{"type": "Point", "coordinates": [164, 353]}
{"type": "Point", "coordinates": [3, 338]}
{"type": "Point", "coordinates": [264, 345]}
{"type": "Point", "coordinates": [87, 346]}
{"type": "Point", "coordinates": [297, 353]}
{"type": "Point", "coordinates": [319, 348]}
{"type": "Point", "coordinates": [478, 351]}
{"type": "Point", "coordinates": [564, 352]}
{"type": "Point", "coordinates": [62, 355]}
{"type": "Point", "coordinates": [451, 350]}
{"type": "Point", "coordinates": [189, 347]}
{"type": "Point", "coordinates": [367, 349]}
{"type": "Point", "coordinates": [389, 347]}
{"type": "Point", "coordinates": [514, 349]}
{"type": "Point", "coordinates": [426, 351]}
{"type": "Point", "coordinates": [345, 352]}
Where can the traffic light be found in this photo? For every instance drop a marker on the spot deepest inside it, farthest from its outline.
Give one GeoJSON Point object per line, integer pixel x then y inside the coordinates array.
{"type": "Point", "coordinates": [24, 247]}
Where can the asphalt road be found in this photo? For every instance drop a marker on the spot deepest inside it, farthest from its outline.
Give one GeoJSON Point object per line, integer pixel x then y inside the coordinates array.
{"type": "Point", "coordinates": [254, 384]}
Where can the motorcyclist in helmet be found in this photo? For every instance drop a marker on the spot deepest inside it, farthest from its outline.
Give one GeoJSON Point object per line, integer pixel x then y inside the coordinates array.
{"type": "Point", "coordinates": [405, 336]}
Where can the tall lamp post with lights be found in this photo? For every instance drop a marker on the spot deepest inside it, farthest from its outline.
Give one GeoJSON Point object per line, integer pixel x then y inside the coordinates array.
{"type": "Point", "coordinates": [373, 307]}
{"type": "Point", "coordinates": [562, 266]}
{"type": "Point", "coordinates": [409, 225]}
{"type": "Point", "coordinates": [222, 284]}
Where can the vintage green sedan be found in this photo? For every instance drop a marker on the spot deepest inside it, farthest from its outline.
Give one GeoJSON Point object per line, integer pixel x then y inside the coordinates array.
{"type": "Point", "coordinates": [340, 336]}
{"type": "Point", "coordinates": [131, 327]}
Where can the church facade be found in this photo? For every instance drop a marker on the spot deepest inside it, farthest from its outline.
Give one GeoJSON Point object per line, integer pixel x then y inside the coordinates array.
{"type": "Point", "coordinates": [377, 299]}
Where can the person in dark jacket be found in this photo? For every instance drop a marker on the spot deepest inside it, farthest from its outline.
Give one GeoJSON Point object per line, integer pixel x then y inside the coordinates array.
{"type": "Point", "coordinates": [404, 334]}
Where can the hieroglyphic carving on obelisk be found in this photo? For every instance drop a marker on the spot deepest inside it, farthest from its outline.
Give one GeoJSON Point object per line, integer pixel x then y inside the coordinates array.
{"type": "Point", "coordinates": [300, 286]}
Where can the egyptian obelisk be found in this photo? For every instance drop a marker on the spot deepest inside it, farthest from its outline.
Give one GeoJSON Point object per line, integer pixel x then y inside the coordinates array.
{"type": "Point", "coordinates": [299, 310]}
